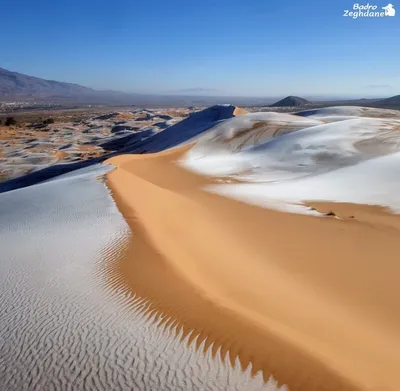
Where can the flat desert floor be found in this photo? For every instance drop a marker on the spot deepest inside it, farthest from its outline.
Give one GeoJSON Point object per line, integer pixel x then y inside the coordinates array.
{"type": "Point", "coordinates": [225, 250]}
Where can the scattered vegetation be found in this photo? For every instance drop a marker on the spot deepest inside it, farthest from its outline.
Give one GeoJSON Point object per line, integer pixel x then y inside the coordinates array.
{"type": "Point", "coordinates": [48, 121]}
{"type": "Point", "coordinates": [10, 121]}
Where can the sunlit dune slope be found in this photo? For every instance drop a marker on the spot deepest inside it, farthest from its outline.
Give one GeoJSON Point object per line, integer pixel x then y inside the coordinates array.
{"type": "Point", "coordinates": [228, 251]}
{"type": "Point", "coordinates": [309, 299]}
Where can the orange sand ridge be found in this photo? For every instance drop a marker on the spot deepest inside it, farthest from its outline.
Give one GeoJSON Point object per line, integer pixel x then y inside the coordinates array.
{"type": "Point", "coordinates": [312, 301]}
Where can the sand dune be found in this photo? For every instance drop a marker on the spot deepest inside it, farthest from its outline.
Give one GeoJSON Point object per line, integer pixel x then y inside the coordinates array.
{"type": "Point", "coordinates": [64, 323]}
{"type": "Point", "coordinates": [319, 294]}
{"type": "Point", "coordinates": [303, 161]}
{"type": "Point", "coordinates": [322, 324]}
{"type": "Point", "coordinates": [147, 131]}
{"type": "Point", "coordinates": [179, 267]}
{"type": "Point", "coordinates": [350, 111]}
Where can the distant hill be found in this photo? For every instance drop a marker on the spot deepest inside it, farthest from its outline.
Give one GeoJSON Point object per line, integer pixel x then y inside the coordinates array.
{"type": "Point", "coordinates": [290, 101]}
{"type": "Point", "coordinates": [388, 103]}
{"type": "Point", "coordinates": [392, 100]}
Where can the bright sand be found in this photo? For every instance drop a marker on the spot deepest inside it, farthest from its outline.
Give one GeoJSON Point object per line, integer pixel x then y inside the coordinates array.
{"type": "Point", "coordinates": [63, 326]}
{"type": "Point", "coordinates": [314, 301]}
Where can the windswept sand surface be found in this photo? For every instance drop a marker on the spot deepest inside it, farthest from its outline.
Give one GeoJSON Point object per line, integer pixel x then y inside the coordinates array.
{"type": "Point", "coordinates": [234, 251]}
{"type": "Point", "coordinates": [65, 324]}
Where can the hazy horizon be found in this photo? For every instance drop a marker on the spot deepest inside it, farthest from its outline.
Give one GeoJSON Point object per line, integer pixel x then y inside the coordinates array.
{"type": "Point", "coordinates": [212, 93]}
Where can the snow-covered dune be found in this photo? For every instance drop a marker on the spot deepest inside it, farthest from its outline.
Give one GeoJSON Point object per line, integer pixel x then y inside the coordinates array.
{"type": "Point", "coordinates": [348, 159]}
{"type": "Point", "coordinates": [111, 272]}
{"type": "Point", "coordinates": [350, 111]}
{"type": "Point", "coordinates": [147, 140]}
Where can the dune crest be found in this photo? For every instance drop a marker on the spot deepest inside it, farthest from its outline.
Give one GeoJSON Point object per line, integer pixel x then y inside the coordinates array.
{"type": "Point", "coordinates": [239, 111]}
{"type": "Point", "coordinates": [65, 325]}
{"type": "Point", "coordinates": [307, 300]}
{"type": "Point", "coordinates": [318, 324]}
{"type": "Point", "coordinates": [237, 253]}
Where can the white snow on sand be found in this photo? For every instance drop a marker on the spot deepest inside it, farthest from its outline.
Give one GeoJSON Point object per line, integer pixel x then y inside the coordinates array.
{"type": "Point", "coordinates": [354, 159]}
{"type": "Point", "coordinates": [349, 111]}
{"type": "Point", "coordinates": [61, 325]}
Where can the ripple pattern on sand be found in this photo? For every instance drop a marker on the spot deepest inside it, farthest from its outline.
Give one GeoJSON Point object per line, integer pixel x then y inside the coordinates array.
{"type": "Point", "coordinates": [62, 326]}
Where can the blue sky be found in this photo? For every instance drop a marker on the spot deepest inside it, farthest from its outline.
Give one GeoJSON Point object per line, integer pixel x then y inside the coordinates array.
{"type": "Point", "coordinates": [209, 47]}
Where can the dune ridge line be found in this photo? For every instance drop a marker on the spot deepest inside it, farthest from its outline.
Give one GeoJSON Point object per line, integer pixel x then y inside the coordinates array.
{"type": "Point", "coordinates": [315, 328]}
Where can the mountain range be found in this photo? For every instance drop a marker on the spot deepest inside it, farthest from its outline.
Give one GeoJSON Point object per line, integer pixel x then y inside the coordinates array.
{"type": "Point", "coordinates": [17, 86]}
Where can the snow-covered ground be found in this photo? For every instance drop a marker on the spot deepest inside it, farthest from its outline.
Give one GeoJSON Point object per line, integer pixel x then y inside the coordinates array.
{"type": "Point", "coordinates": [329, 155]}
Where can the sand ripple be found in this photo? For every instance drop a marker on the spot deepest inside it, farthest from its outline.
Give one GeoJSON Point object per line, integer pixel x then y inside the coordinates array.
{"type": "Point", "coordinates": [64, 325]}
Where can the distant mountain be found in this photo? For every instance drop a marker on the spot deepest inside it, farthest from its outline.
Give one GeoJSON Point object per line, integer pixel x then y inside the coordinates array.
{"type": "Point", "coordinates": [388, 103]}
{"type": "Point", "coordinates": [17, 86]}
{"type": "Point", "coordinates": [392, 100]}
{"type": "Point", "coordinates": [20, 87]}
{"type": "Point", "coordinates": [290, 101]}
{"type": "Point", "coordinates": [14, 85]}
